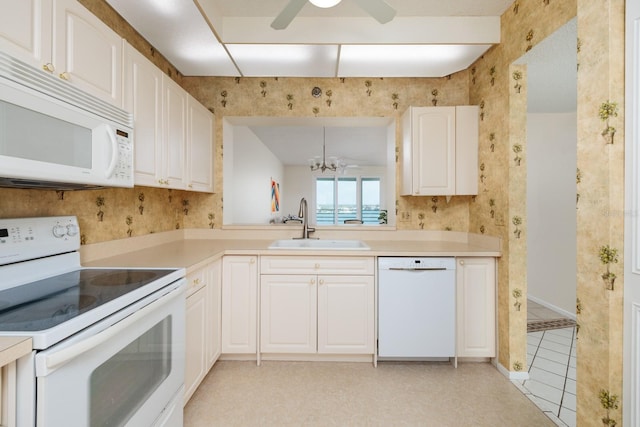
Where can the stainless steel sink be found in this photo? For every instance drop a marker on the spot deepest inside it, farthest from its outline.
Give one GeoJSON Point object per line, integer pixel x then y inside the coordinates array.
{"type": "Point", "coordinates": [319, 244]}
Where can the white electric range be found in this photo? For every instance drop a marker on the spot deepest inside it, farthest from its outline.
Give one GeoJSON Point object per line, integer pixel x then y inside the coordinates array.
{"type": "Point", "coordinates": [108, 342]}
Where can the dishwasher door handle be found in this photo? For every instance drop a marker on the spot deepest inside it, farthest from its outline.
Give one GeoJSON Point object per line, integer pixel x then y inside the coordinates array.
{"type": "Point", "coordinates": [417, 269]}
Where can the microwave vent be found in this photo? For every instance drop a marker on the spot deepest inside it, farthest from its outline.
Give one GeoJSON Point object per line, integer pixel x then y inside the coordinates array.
{"type": "Point", "coordinates": [44, 185]}
{"type": "Point", "coordinates": [34, 79]}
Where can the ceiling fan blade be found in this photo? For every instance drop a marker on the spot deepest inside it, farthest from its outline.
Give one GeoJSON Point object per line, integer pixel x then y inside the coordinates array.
{"type": "Point", "coordinates": [285, 17]}
{"type": "Point", "coordinates": [378, 9]}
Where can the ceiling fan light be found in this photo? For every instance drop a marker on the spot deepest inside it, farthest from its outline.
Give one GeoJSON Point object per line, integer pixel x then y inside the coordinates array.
{"type": "Point", "coordinates": [324, 3]}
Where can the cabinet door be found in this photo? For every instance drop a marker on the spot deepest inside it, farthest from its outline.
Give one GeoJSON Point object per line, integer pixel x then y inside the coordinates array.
{"type": "Point", "coordinates": [87, 52]}
{"type": "Point", "coordinates": [288, 313]}
{"type": "Point", "coordinates": [174, 133]}
{"type": "Point", "coordinates": [213, 277]}
{"type": "Point", "coordinates": [346, 314]}
{"type": "Point", "coordinates": [199, 147]}
{"type": "Point", "coordinates": [239, 304]}
{"type": "Point", "coordinates": [467, 150]}
{"type": "Point", "coordinates": [476, 319]}
{"type": "Point", "coordinates": [25, 30]}
{"type": "Point", "coordinates": [143, 98]}
{"type": "Point", "coordinates": [433, 151]}
{"type": "Point", "coordinates": [195, 367]}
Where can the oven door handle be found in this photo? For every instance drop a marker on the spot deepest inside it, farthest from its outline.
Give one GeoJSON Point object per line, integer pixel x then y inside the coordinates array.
{"type": "Point", "coordinates": [59, 358]}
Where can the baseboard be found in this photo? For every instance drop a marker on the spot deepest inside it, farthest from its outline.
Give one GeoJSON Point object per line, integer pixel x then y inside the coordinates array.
{"type": "Point", "coordinates": [513, 375]}
{"type": "Point", "coordinates": [559, 310]}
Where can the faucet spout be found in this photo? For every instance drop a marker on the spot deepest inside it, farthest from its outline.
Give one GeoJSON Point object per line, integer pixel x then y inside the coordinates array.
{"type": "Point", "coordinates": [303, 213]}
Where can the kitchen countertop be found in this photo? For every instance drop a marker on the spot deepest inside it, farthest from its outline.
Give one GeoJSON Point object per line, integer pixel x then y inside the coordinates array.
{"type": "Point", "coordinates": [13, 348]}
{"type": "Point", "coordinates": [191, 249]}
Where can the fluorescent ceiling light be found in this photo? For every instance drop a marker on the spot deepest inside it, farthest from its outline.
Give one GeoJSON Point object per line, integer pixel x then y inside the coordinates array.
{"type": "Point", "coordinates": [324, 3]}
{"type": "Point", "coordinates": [258, 60]}
{"type": "Point", "coordinates": [406, 60]}
{"type": "Point", "coordinates": [405, 53]}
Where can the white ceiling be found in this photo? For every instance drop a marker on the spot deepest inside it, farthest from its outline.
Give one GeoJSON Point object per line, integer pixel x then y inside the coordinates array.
{"type": "Point", "coordinates": [427, 38]}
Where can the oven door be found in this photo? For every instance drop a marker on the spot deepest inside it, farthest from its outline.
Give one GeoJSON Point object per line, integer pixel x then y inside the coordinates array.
{"type": "Point", "coordinates": [126, 374]}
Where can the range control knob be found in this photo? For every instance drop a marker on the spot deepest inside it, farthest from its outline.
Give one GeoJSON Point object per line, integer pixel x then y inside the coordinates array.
{"type": "Point", "coordinates": [59, 230]}
{"type": "Point", "coordinates": [72, 229]}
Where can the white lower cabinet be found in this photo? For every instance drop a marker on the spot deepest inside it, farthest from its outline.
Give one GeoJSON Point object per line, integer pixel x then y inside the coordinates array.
{"type": "Point", "coordinates": [240, 304]}
{"type": "Point", "coordinates": [317, 305]}
{"type": "Point", "coordinates": [202, 335]}
{"type": "Point", "coordinates": [214, 312]}
{"type": "Point", "coordinates": [195, 342]}
{"type": "Point", "coordinates": [476, 307]}
{"type": "Point", "coordinates": [346, 315]}
{"type": "Point", "coordinates": [288, 313]}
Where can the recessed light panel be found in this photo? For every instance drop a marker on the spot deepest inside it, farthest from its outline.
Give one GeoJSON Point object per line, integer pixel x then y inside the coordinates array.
{"type": "Point", "coordinates": [193, 49]}
{"type": "Point", "coordinates": [257, 60]}
{"type": "Point", "coordinates": [406, 60]}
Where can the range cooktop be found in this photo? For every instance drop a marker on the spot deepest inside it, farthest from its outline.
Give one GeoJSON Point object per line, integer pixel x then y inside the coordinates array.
{"type": "Point", "coordinates": [46, 303]}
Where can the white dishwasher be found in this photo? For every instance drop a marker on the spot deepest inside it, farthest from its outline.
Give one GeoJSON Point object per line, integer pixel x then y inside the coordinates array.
{"type": "Point", "coordinates": [416, 308]}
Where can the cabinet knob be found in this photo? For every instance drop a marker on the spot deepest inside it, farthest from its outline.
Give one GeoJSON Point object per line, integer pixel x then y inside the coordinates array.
{"type": "Point", "coordinates": [461, 262]}
{"type": "Point", "coordinates": [48, 67]}
{"type": "Point", "coordinates": [64, 76]}
{"type": "Point", "coordinates": [253, 261]}
{"type": "Point", "coordinates": [316, 266]}
{"type": "Point", "coordinates": [321, 281]}
{"type": "Point", "coordinates": [196, 281]}
{"type": "Point", "coordinates": [190, 185]}
{"type": "Point", "coordinates": [312, 281]}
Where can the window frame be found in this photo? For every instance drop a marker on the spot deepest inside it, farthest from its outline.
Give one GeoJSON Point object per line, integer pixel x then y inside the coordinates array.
{"type": "Point", "coordinates": [336, 177]}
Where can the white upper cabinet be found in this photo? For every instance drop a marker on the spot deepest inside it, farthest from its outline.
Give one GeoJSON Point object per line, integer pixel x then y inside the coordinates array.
{"type": "Point", "coordinates": [174, 120]}
{"type": "Point", "coordinates": [173, 131]}
{"type": "Point", "coordinates": [440, 151]}
{"type": "Point", "coordinates": [199, 147]}
{"type": "Point", "coordinates": [63, 38]}
{"type": "Point", "coordinates": [86, 52]}
{"type": "Point", "coordinates": [467, 150]}
{"type": "Point", "coordinates": [25, 30]}
{"type": "Point", "coordinates": [143, 98]}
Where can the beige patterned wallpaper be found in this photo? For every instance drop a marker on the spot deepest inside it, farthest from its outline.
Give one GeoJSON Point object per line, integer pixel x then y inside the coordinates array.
{"type": "Point", "coordinates": [499, 88]}
{"type": "Point", "coordinates": [291, 97]}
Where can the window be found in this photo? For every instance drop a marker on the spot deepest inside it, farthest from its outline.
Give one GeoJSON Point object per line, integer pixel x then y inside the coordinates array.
{"type": "Point", "coordinates": [340, 199]}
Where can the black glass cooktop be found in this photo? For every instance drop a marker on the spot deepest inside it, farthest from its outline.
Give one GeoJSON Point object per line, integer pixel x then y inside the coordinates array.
{"type": "Point", "coordinates": [43, 304]}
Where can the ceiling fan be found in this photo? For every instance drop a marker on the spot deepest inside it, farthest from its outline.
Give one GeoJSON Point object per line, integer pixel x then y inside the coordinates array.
{"type": "Point", "coordinates": [378, 9]}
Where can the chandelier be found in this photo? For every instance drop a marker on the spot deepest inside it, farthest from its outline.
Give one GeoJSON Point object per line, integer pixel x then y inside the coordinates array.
{"type": "Point", "coordinates": [321, 164]}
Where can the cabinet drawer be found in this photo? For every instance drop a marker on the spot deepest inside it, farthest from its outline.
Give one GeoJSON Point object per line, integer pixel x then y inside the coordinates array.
{"type": "Point", "coordinates": [195, 281]}
{"type": "Point", "coordinates": [316, 265]}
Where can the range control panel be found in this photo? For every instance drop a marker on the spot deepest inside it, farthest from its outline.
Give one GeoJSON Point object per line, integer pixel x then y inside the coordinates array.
{"type": "Point", "coordinates": [29, 238]}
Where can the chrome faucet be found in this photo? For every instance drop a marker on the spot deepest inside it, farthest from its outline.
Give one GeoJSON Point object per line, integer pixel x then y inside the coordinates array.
{"type": "Point", "coordinates": [304, 214]}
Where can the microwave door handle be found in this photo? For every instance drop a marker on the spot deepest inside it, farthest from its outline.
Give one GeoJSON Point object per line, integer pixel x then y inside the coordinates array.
{"type": "Point", "coordinates": [57, 359]}
{"type": "Point", "coordinates": [114, 151]}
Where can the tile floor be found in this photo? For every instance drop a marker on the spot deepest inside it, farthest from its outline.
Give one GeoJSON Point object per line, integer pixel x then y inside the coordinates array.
{"type": "Point", "coordinates": [551, 357]}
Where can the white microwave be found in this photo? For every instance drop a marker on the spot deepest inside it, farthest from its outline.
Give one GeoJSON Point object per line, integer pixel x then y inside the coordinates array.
{"type": "Point", "coordinates": [53, 135]}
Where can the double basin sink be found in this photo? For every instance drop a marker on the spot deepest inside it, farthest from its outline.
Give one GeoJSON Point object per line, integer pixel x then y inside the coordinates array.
{"type": "Point", "coordinates": [318, 244]}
